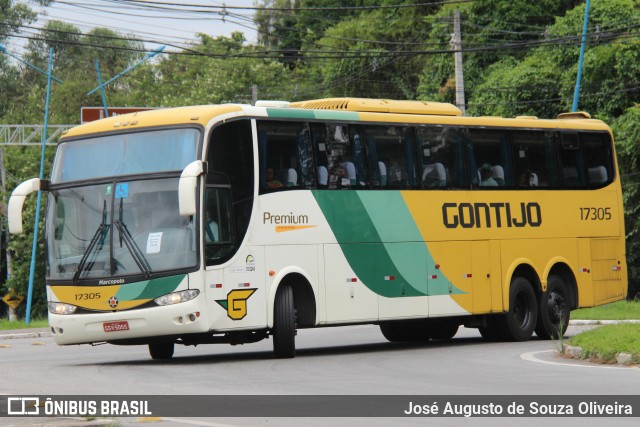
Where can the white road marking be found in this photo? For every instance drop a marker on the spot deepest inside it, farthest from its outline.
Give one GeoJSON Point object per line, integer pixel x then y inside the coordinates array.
{"type": "Point", "coordinates": [531, 357]}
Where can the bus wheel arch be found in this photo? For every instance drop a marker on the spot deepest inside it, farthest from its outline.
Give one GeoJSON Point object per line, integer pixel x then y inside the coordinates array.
{"type": "Point", "coordinates": [303, 293]}
{"type": "Point", "coordinates": [303, 298]}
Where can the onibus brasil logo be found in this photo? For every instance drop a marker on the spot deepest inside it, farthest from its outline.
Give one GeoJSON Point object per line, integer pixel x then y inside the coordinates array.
{"type": "Point", "coordinates": [236, 303]}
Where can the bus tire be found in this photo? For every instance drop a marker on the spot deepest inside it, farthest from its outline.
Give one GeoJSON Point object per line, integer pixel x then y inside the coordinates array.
{"type": "Point", "coordinates": [444, 330]}
{"type": "Point", "coordinates": [404, 332]}
{"type": "Point", "coordinates": [519, 322]}
{"type": "Point", "coordinates": [490, 331]}
{"type": "Point", "coordinates": [161, 350]}
{"type": "Point", "coordinates": [284, 324]}
{"type": "Point", "coordinates": [554, 310]}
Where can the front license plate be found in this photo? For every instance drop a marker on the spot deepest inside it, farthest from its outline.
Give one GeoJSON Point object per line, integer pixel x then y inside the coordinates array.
{"type": "Point", "coordinates": [116, 326]}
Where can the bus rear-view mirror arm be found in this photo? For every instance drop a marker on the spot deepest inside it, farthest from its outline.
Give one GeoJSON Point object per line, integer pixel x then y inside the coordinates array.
{"type": "Point", "coordinates": [16, 201]}
{"type": "Point", "coordinates": [187, 187]}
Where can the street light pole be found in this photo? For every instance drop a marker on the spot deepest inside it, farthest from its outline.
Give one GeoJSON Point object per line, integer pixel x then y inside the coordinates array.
{"type": "Point", "coordinates": [32, 267]}
{"type": "Point", "coordinates": [576, 92]}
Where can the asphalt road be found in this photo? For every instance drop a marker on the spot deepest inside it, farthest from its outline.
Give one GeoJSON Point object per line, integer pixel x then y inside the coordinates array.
{"type": "Point", "coordinates": [331, 361]}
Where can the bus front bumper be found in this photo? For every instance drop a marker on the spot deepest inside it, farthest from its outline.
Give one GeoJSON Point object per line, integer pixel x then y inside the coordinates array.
{"type": "Point", "coordinates": [179, 319]}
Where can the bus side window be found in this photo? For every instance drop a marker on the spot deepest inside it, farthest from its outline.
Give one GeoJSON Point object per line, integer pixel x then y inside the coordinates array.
{"type": "Point", "coordinates": [337, 148]}
{"type": "Point", "coordinates": [490, 159]}
{"type": "Point", "coordinates": [286, 156]}
{"type": "Point", "coordinates": [391, 156]}
{"type": "Point", "coordinates": [319, 149]}
{"type": "Point", "coordinates": [598, 154]}
{"type": "Point", "coordinates": [534, 168]}
{"type": "Point", "coordinates": [571, 161]}
{"type": "Point", "coordinates": [441, 157]}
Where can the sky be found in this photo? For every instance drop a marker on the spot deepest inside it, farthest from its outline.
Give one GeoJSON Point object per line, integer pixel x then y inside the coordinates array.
{"type": "Point", "coordinates": [175, 23]}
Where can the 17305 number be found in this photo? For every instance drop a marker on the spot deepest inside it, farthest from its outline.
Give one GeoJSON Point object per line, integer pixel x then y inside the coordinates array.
{"type": "Point", "coordinates": [595, 214]}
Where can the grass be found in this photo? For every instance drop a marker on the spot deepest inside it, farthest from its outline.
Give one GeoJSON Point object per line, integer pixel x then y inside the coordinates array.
{"type": "Point", "coordinates": [606, 341]}
{"type": "Point", "coordinates": [621, 310]}
{"type": "Point", "coordinates": [19, 324]}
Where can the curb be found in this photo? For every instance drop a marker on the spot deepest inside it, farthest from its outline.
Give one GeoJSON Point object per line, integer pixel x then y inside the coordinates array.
{"type": "Point", "coordinates": [29, 334]}
{"type": "Point", "coordinates": [601, 322]}
{"type": "Point", "coordinates": [623, 359]}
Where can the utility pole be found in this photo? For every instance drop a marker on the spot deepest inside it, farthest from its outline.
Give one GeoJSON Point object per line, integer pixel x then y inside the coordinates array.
{"type": "Point", "coordinates": [456, 45]}
{"type": "Point", "coordinates": [254, 94]}
{"type": "Point", "coordinates": [576, 92]}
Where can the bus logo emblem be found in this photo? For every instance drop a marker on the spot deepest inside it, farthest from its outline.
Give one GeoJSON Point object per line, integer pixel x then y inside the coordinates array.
{"type": "Point", "coordinates": [113, 302]}
{"type": "Point", "coordinates": [236, 303]}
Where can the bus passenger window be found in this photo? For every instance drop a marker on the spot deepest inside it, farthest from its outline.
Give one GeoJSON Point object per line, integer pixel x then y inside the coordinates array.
{"type": "Point", "coordinates": [391, 149]}
{"type": "Point", "coordinates": [441, 157]}
{"type": "Point", "coordinates": [489, 158]}
{"type": "Point", "coordinates": [342, 152]}
{"type": "Point", "coordinates": [599, 158]}
{"type": "Point", "coordinates": [571, 161]}
{"type": "Point", "coordinates": [535, 160]}
{"type": "Point", "coordinates": [286, 156]}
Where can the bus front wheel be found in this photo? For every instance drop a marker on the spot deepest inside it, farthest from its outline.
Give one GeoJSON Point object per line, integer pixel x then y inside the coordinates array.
{"type": "Point", "coordinates": [553, 317]}
{"type": "Point", "coordinates": [161, 350]}
{"type": "Point", "coordinates": [284, 324]}
{"type": "Point", "coordinates": [519, 322]}
{"type": "Point", "coordinates": [443, 330]}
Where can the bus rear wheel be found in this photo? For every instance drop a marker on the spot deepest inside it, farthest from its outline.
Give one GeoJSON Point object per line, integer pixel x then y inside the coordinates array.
{"type": "Point", "coordinates": [284, 324]}
{"type": "Point", "coordinates": [520, 321]}
{"type": "Point", "coordinates": [161, 350]}
{"type": "Point", "coordinates": [554, 310]}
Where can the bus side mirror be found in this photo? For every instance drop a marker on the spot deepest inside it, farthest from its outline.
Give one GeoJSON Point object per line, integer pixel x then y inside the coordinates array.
{"type": "Point", "coordinates": [16, 201]}
{"type": "Point", "coordinates": [187, 187]}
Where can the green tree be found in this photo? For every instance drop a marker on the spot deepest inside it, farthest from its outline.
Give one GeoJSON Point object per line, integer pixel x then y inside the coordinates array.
{"type": "Point", "coordinates": [218, 70]}
{"type": "Point", "coordinates": [627, 132]}
{"type": "Point", "coordinates": [493, 32]}
{"type": "Point", "coordinates": [371, 54]}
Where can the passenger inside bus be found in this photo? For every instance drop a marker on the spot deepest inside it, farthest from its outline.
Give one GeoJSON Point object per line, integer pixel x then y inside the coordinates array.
{"type": "Point", "coordinates": [272, 182]}
{"type": "Point", "coordinates": [486, 176]}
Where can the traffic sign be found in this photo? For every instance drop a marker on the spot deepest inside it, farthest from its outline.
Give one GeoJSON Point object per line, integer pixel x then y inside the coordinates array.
{"type": "Point", "coordinates": [91, 114]}
{"type": "Point", "coordinates": [12, 299]}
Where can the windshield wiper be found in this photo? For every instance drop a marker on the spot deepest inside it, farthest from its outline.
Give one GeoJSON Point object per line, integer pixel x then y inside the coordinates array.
{"type": "Point", "coordinates": [98, 238]}
{"type": "Point", "coordinates": [131, 245]}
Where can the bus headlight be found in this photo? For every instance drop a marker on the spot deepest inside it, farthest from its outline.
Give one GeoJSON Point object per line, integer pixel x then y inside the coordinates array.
{"type": "Point", "coordinates": [177, 297]}
{"type": "Point", "coordinates": [61, 308]}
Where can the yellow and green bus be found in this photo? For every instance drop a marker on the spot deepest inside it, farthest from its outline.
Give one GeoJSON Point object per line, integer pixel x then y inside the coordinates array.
{"type": "Point", "coordinates": [236, 223]}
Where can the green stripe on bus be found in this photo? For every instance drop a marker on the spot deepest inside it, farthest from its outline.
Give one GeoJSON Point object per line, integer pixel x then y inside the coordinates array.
{"type": "Point", "coordinates": [382, 243]}
{"type": "Point", "coordinates": [361, 244]}
{"type": "Point", "coordinates": [299, 113]}
{"type": "Point", "coordinates": [337, 115]}
{"type": "Point", "coordinates": [293, 113]}
{"type": "Point", "coordinates": [411, 255]}
{"type": "Point", "coordinates": [149, 289]}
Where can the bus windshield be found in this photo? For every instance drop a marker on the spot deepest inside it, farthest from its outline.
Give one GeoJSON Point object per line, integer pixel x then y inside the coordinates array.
{"type": "Point", "coordinates": [118, 228]}
{"type": "Point", "coordinates": [125, 154]}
